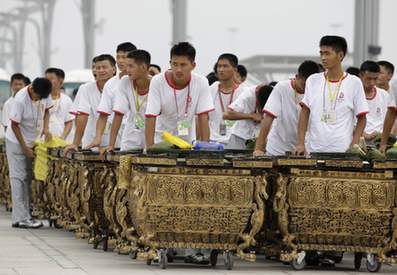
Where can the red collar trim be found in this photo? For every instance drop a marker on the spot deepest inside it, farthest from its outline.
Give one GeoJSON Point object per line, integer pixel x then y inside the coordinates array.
{"type": "Point", "coordinates": [372, 97]}
{"type": "Point", "coordinates": [136, 90]}
{"type": "Point", "coordinates": [336, 81]}
{"type": "Point", "coordinates": [235, 87]}
{"type": "Point", "coordinates": [171, 84]}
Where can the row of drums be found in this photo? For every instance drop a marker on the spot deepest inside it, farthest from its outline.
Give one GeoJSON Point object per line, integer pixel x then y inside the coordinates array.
{"type": "Point", "coordinates": [228, 203]}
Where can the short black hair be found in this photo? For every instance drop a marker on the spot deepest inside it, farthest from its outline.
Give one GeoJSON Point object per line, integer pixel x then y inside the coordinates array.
{"type": "Point", "coordinates": [242, 71]}
{"type": "Point", "coordinates": [156, 66]}
{"type": "Point", "coordinates": [307, 68]}
{"type": "Point", "coordinates": [58, 72]}
{"type": "Point", "coordinates": [388, 66]}
{"type": "Point", "coordinates": [211, 77]}
{"type": "Point", "coordinates": [17, 76]}
{"type": "Point", "coordinates": [27, 80]}
{"type": "Point", "coordinates": [353, 71]}
{"type": "Point", "coordinates": [273, 83]}
{"type": "Point", "coordinates": [369, 66]}
{"type": "Point", "coordinates": [42, 87]}
{"type": "Point", "coordinates": [338, 43]}
{"type": "Point", "coordinates": [104, 57]}
{"type": "Point", "coordinates": [262, 94]}
{"type": "Point", "coordinates": [94, 60]}
{"type": "Point", "coordinates": [184, 49]}
{"type": "Point", "coordinates": [126, 47]}
{"type": "Point", "coordinates": [140, 56]}
{"type": "Point", "coordinates": [233, 60]}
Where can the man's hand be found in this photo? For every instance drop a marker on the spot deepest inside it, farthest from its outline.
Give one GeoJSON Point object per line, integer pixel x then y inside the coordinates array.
{"type": "Point", "coordinates": [382, 148]}
{"type": "Point", "coordinates": [70, 148]}
{"type": "Point", "coordinates": [258, 153]}
{"type": "Point", "coordinates": [370, 136]}
{"type": "Point", "coordinates": [104, 150]}
{"type": "Point", "coordinates": [256, 117]}
{"type": "Point", "coordinates": [95, 143]}
{"type": "Point", "coordinates": [28, 152]}
{"type": "Point", "coordinates": [300, 150]}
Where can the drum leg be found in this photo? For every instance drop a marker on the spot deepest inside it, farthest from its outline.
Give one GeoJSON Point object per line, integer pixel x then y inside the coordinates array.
{"type": "Point", "coordinates": [228, 258]}
{"type": "Point", "coordinates": [373, 264]}
{"type": "Point", "coordinates": [300, 262]}
{"type": "Point", "coordinates": [357, 260]}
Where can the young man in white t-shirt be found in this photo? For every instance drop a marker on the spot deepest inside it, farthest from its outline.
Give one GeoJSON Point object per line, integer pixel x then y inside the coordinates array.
{"type": "Point", "coordinates": [377, 100]}
{"type": "Point", "coordinates": [131, 100]}
{"type": "Point", "coordinates": [17, 83]}
{"type": "Point", "coordinates": [246, 110]}
{"type": "Point", "coordinates": [106, 105]}
{"type": "Point", "coordinates": [391, 115]}
{"type": "Point", "coordinates": [87, 101]}
{"type": "Point", "coordinates": [29, 119]}
{"type": "Point", "coordinates": [280, 123]}
{"type": "Point", "coordinates": [223, 93]}
{"type": "Point", "coordinates": [61, 119]}
{"type": "Point", "coordinates": [176, 97]}
{"type": "Point", "coordinates": [332, 102]}
{"type": "Point", "coordinates": [385, 75]}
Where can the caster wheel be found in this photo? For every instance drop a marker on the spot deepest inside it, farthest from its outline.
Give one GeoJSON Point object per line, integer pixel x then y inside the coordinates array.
{"type": "Point", "coordinates": [214, 257]}
{"type": "Point", "coordinates": [163, 260]}
{"type": "Point", "coordinates": [338, 258]}
{"type": "Point", "coordinates": [133, 254]}
{"type": "Point", "coordinates": [357, 260]}
{"type": "Point", "coordinates": [228, 257]}
{"type": "Point", "coordinates": [300, 262]}
{"type": "Point", "coordinates": [95, 244]}
{"type": "Point", "coordinates": [148, 262]}
{"type": "Point", "coordinates": [373, 264]}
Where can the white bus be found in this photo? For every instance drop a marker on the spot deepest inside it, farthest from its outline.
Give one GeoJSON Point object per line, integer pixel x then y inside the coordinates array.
{"type": "Point", "coordinates": [73, 80]}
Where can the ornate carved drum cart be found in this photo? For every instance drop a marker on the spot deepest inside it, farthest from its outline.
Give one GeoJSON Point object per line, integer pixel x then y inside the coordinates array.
{"type": "Point", "coordinates": [194, 200]}
{"type": "Point", "coordinates": [333, 203]}
{"type": "Point", "coordinates": [5, 187]}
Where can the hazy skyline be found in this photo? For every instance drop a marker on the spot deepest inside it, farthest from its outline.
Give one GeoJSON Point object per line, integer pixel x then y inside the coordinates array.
{"type": "Point", "coordinates": [261, 27]}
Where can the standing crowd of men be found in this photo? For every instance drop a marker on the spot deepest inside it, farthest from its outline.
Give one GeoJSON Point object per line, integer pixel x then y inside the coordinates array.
{"type": "Point", "coordinates": [131, 103]}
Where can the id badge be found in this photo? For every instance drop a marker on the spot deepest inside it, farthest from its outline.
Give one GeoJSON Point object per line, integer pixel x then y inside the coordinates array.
{"type": "Point", "coordinates": [139, 122]}
{"type": "Point", "coordinates": [329, 117]}
{"type": "Point", "coordinates": [183, 127]}
{"type": "Point", "coordinates": [222, 129]}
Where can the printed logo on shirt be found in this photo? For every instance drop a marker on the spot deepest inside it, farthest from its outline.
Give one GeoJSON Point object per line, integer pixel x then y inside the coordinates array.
{"type": "Point", "coordinates": [341, 97]}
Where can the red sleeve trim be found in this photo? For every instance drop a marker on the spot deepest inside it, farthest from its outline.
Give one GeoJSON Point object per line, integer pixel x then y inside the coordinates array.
{"type": "Point", "coordinates": [302, 104]}
{"type": "Point", "coordinates": [83, 113]}
{"type": "Point", "coordinates": [103, 113]}
{"type": "Point", "coordinates": [74, 113]}
{"type": "Point", "coordinates": [206, 112]}
{"type": "Point", "coordinates": [118, 112]}
{"type": "Point", "coordinates": [230, 108]}
{"type": "Point", "coordinates": [14, 121]}
{"type": "Point", "coordinates": [361, 114]}
{"type": "Point", "coordinates": [70, 120]}
{"type": "Point", "coordinates": [151, 115]}
{"type": "Point", "coordinates": [269, 113]}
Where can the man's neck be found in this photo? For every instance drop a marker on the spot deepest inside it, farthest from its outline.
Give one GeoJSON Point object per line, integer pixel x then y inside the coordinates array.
{"type": "Point", "coordinates": [385, 86]}
{"type": "Point", "coordinates": [56, 94]}
{"type": "Point", "coordinates": [335, 73]}
{"type": "Point", "coordinates": [101, 84]}
{"type": "Point", "coordinates": [122, 73]}
{"type": "Point", "coordinates": [30, 93]}
{"type": "Point", "coordinates": [142, 85]}
{"type": "Point", "coordinates": [369, 93]}
{"type": "Point", "coordinates": [226, 86]}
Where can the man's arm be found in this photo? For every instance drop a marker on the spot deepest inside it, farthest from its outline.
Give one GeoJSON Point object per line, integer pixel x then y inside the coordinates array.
{"type": "Point", "coordinates": [302, 128]}
{"type": "Point", "coordinates": [46, 128]}
{"type": "Point", "coordinates": [150, 126]}
{"type": "Point", "coordinates": [118, 118]}
{"type": "Point", "coordinates": [100, 129]}
{"type": "Point", "coordinates": [18, 134]}
{"type": "Point", "coordinates": [233, 115]}
{"type": "Point", "coordinates": [81, 123]}
{"type": "Point", "coordinates": [266, 124]}
{"type": "Point", "coordinates": [387, 126]}
{"type": "Point", "coordinates": [360, 126]}
{"type": "Point", "coordinates": [67, 129]}
{"type": "Point", "coordinates": [204, 127]}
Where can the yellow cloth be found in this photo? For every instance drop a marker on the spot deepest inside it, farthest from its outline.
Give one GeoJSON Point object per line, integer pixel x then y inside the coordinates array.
{"type": "Point", "coordinates": [176, 141]}
{"type": "Point", "coordinates": [41, 160]}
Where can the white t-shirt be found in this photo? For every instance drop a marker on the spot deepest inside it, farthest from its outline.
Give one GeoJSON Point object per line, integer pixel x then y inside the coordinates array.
{"type": "Point", "coordinates": [127, 104]}
{"type": "Point", "coordinates": [87, 101]}
{"type": "Point", "coordinates": [171, 105]}
{"type": "Point", "coordinates": [245, 103]}
{"type": "Point", "coordinates": [221, 102]}
{"type": "Point", "coordinates": [377, 111]}
{"type": "Point", "coordinates": [5, 116]}
{"type": "Point", "coordinates": [283, 105]}
{"type": "Point", "coordinates": [60, 113]}
{"type": "Point", "coordinates": [29, 115]}
{"type": "Point", "coordinates": [335, 135]}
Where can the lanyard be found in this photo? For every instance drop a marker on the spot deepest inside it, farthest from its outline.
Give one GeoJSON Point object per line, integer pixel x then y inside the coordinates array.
{"type": "Point", "coordinates": [38, 113]}
{"type": "Point", "coordinates": [333, 95]}
{"type": "Point", "coordinates": [138, 104]}
{"type": "Point", "coordinates": [231, 98]}
{"type": "Point", "coordinates": [187, 101]}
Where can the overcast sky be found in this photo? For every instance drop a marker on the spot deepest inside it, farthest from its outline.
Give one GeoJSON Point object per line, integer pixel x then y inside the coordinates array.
{"type": "Point", "coordinates": [262, 27]}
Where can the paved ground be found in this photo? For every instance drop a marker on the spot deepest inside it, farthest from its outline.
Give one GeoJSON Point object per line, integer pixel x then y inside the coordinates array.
{"type": "Point", "coordinates": [49, 251]}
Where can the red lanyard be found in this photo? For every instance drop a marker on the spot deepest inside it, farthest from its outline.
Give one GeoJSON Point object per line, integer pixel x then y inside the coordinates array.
{"type": "Point", "coordinates": [187, 101]}
{"type": "Point", "coordinates": [231, 98]}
